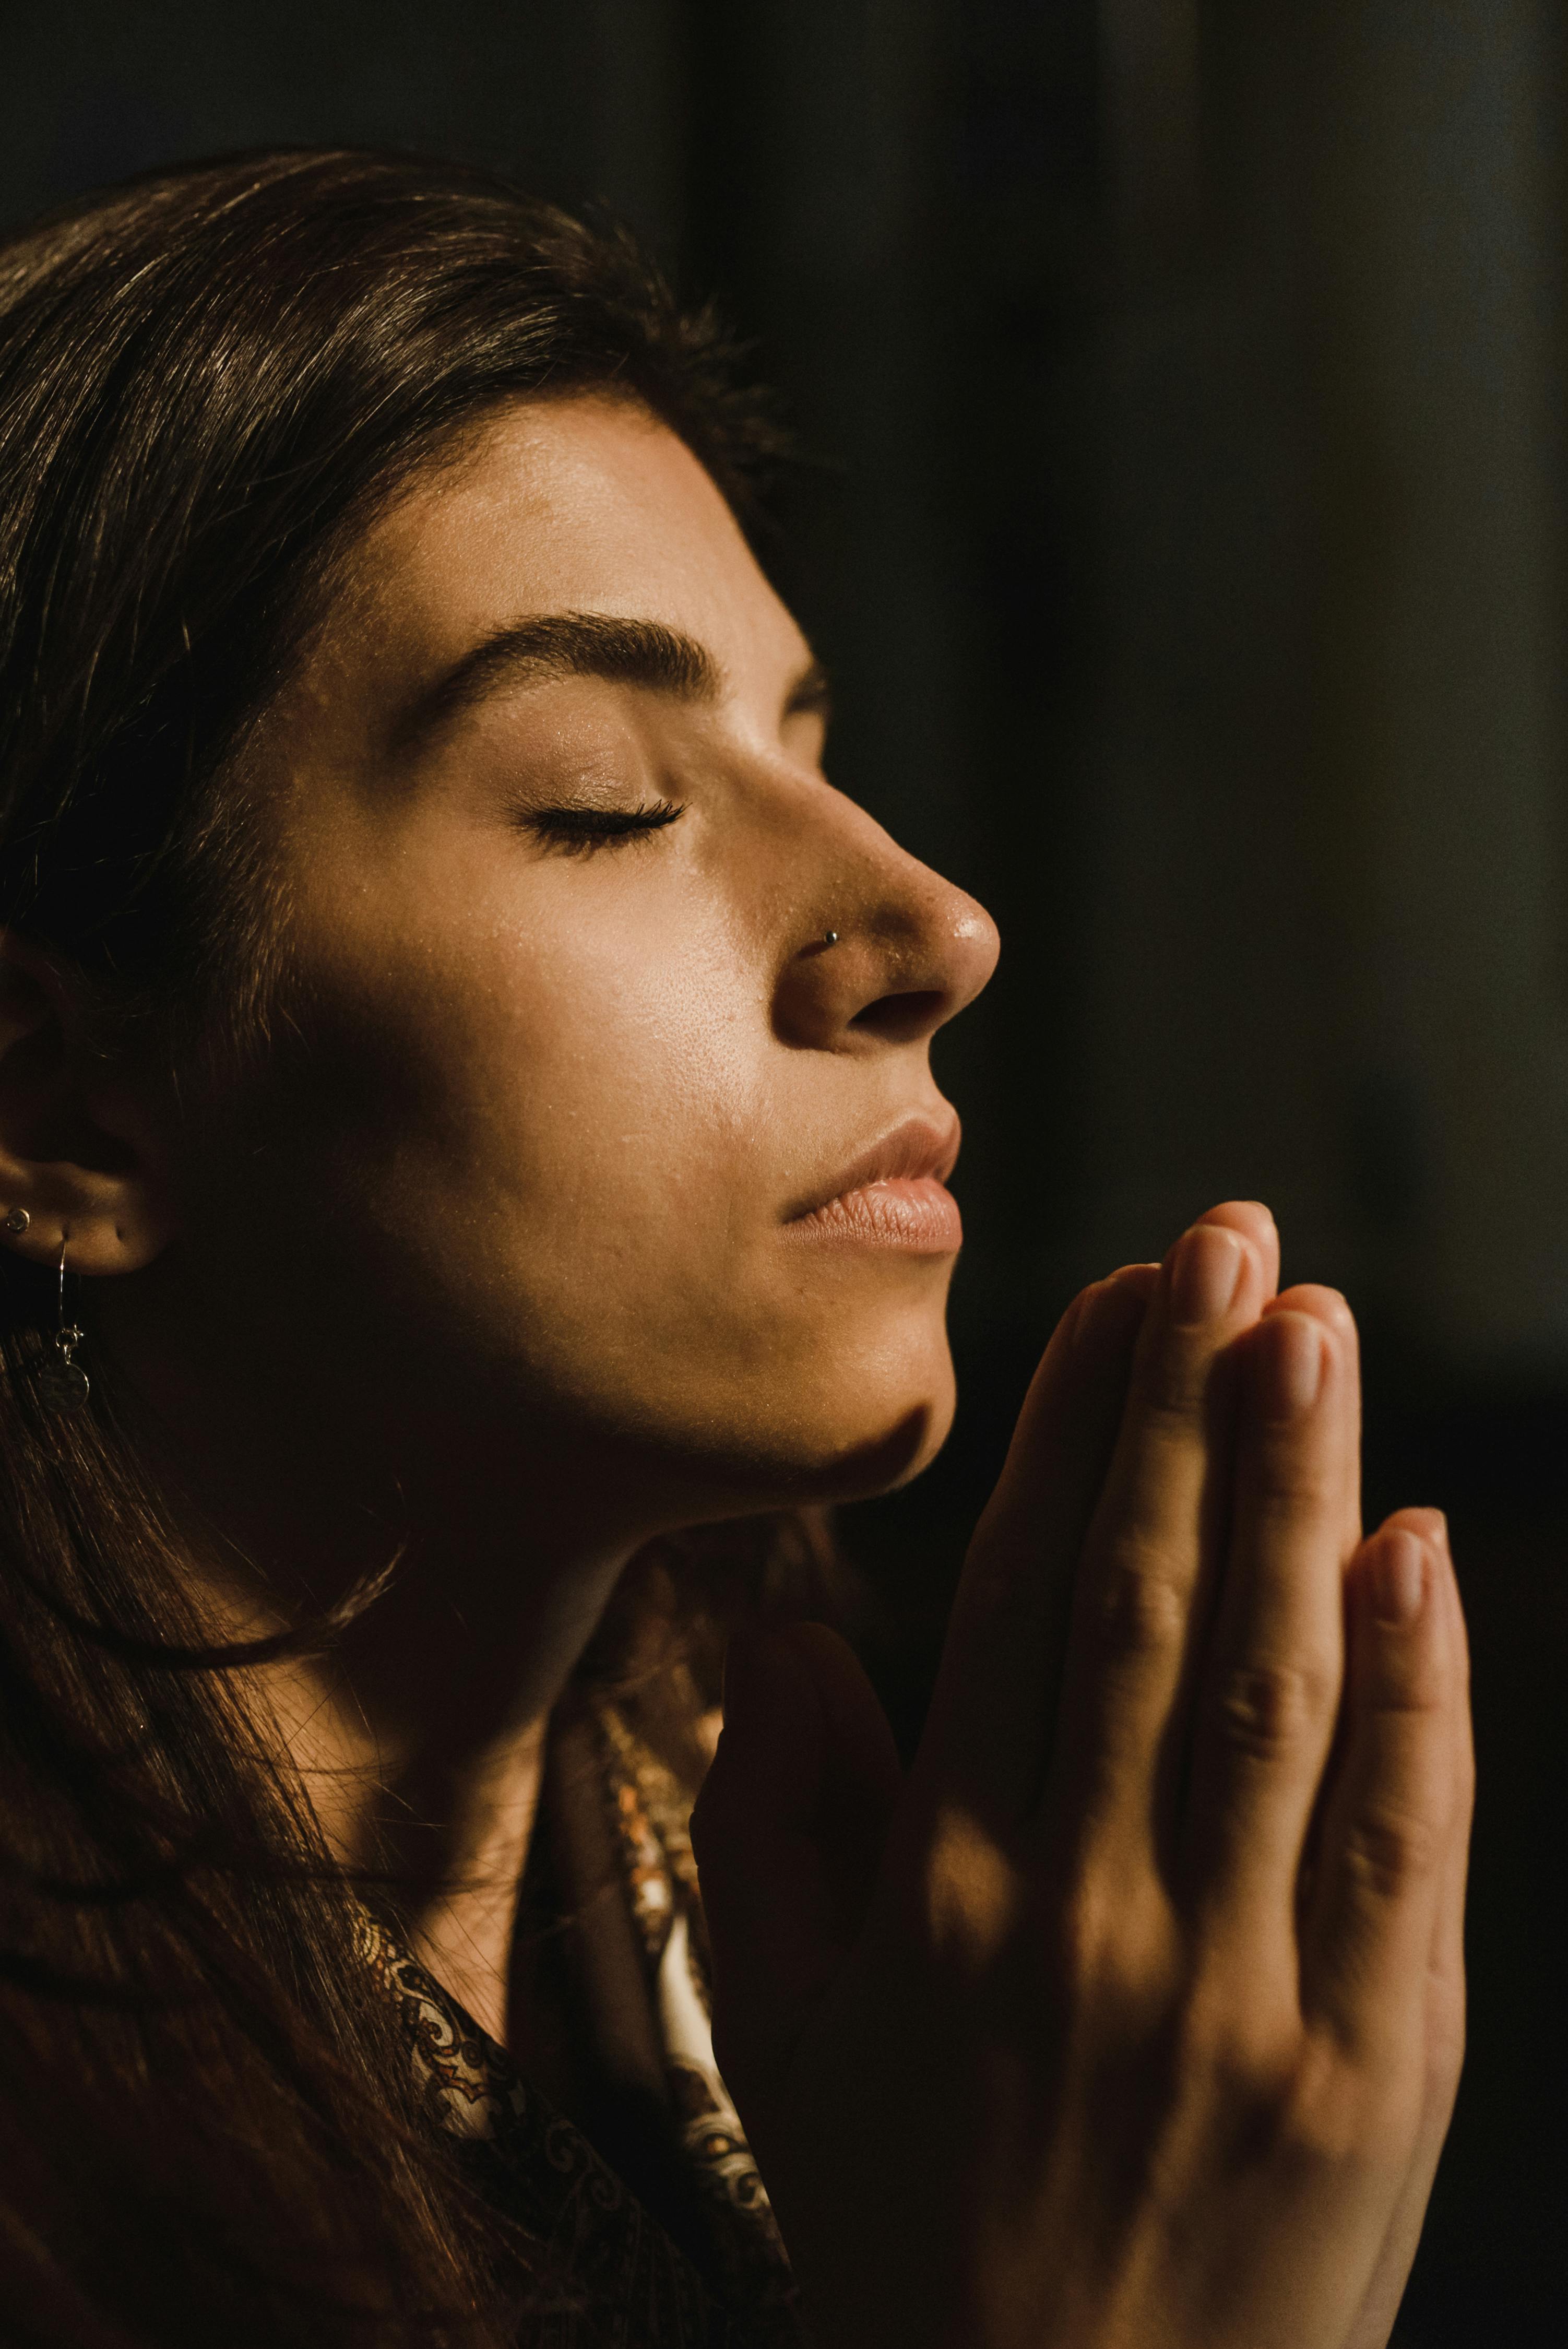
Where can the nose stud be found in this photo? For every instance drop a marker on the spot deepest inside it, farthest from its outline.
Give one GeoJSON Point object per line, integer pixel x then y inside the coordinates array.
{"type": "Point", "coordinates": [831, 938]}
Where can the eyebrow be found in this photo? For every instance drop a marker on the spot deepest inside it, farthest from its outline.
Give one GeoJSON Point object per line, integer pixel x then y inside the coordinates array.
{"type": "Point", "coordinates": [642, 653]}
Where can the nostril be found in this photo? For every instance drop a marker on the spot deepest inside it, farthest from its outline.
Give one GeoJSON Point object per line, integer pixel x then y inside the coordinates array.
{"type": "Point", "coordinates": [901, 1019]}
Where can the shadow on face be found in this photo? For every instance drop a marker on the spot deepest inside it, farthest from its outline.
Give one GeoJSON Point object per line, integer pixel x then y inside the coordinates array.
{"type": "Point", "coordinates": [607, 1141]}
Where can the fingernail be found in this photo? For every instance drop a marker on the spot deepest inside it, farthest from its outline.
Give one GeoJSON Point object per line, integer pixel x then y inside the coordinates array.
{"type": "Point", "coordinates": [1109, 1316]}
{"type": "Point", "coordinates": [1207, 1272]}
{"type": "Point", "coordinates": [1399, 1580]}
{"type": "Point", "coordinates": [1294, 1355]}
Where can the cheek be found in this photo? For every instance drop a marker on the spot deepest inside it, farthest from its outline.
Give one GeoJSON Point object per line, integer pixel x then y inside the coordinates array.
{"type": "Point", "coordinates": [580, 1111]}
{"type": "Point", "coordinates": [612, 1085]}
{"type": "Point", "coordinates": [557, 1144]}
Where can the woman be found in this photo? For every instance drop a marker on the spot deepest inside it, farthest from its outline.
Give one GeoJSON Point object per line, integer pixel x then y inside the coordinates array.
{"type": "Point", "coordinates": [465, 1123]}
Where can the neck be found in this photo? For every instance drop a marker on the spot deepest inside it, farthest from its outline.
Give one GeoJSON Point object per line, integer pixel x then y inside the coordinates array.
{"type": "Point", "coordinates": [443, 1823]}
{"type": "Point", "coordinates": [419, 1735]}
{"type": "Point", "coordinates": [419, 1740]}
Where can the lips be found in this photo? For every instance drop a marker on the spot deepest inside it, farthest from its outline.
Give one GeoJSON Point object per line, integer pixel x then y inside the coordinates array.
{"type": "Point", "coordinates": [892, 1194]}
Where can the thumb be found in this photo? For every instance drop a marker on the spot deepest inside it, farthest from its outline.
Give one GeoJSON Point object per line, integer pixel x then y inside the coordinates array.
{"type": "Point", "coordinates": [787, 1832]}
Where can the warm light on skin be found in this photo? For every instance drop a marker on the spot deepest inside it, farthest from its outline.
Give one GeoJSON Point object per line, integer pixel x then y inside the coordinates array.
{"type": "Point", "coordinates": [576, 1092]}
{"type": "Point", "coordinates": [494, 1263]}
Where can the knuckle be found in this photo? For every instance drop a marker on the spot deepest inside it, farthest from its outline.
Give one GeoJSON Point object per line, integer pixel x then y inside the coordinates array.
{"type": "Point", "coordinates": [1177, 1386]}
{"type": "Point", "coordinates": [1388, 1850]}
{"type": "Point", "coordinates": [1225, 2037]}
{"type": "Point", "coordinates": [1295, 1479]}
{"type": "Point", "coordinates": [969, 1894]}
{"type": "Point", "coordinates": [1405, 1694]}
{"type": "Point", "coordinates": [1133, 1608]}
{"type": "Point", "coordinates": [1113, 1949]}
{"type": "Point", "coordinates": [1267, 1711]}
{"type": "Point", "coordinates": [1099, 1953]}
{"type": "Point", "coordinates": [1343, 2116]}
{"type": "Point", "coordinates": [1328, 2129]}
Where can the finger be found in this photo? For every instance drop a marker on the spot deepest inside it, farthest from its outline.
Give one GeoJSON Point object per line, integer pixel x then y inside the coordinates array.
{"type": "Point", "coordinates": [990, 1727]}
{"type": "Point", "coordinates": [1385, 1858]}
{"type": "Point", "coordinates": [1446, 1966]}
{"type": "Point", "coordinates": [787, 1832]}
{"type": "Point", "coordinates": [1268, 1694]}
{"type": "Point", "coordinates": [1149, 1559]}
{"type": "Point", "coordinates": [1308, 1297]}
{"type": "Point", "coordinates": [1253, 1220]}
{"type": "Point", "coordinates": [1445, 2003]}
{"type": "Point", "coordinates": [988, 1731]}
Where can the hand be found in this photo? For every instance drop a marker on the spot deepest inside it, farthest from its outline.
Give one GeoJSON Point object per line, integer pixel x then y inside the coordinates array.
{"type": "Point", "coordinates": [1130, 2019]}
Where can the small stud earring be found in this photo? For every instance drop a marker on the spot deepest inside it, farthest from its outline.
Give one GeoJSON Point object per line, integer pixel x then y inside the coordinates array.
{"type": "Point", "coordinates": [17, 1221]}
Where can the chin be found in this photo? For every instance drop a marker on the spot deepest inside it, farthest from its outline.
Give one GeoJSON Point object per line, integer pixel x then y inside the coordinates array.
{"type": "Point", "coordinates": [883, 1411]}
{"type": "Point", "coordinates": [850, 1422]}
{"type": "Point", "coordinates": [861, 1453]}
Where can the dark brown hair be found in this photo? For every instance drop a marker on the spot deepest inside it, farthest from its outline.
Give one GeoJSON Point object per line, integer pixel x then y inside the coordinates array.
{"type": "Point", "coordinates": [209, 378]}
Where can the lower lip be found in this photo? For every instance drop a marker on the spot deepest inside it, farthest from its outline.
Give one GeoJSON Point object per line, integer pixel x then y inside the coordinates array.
{"type": "Point", "coordinates": [917, 1215]}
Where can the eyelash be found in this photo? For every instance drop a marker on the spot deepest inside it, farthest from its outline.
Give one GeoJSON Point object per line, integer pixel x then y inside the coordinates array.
{"type": "Point", "coordinates": [578, 832]}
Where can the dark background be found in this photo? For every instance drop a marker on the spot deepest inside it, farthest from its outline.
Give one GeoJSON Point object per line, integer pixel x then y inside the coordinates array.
{"type": "Point", "coordinates": [1191, 544]}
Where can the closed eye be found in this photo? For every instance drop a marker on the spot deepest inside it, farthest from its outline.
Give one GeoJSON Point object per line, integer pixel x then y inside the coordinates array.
{"type": "Point", "coordinates": [578, 830]}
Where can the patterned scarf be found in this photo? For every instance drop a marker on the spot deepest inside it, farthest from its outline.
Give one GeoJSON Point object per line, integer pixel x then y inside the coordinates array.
{"type": "Point", "coordinates": [615, 1883]}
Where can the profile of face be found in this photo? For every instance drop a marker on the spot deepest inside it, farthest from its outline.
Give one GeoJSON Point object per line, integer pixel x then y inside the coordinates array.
{"type": "Point", "coordinates": [609, 1121]}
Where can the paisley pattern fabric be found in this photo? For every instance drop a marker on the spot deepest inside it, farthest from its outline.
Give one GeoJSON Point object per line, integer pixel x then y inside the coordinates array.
{"type": "Point", "coordinates": [643, 1998]}
{"type": "Point", "coordinates": [653, 1813]}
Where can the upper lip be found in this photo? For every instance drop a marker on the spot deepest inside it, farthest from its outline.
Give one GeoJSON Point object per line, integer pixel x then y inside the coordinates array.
{"type": "Point", "coordinates": [916, 1147]}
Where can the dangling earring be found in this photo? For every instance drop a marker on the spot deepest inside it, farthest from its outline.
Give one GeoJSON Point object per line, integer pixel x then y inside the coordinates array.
{"type": "Point", "coordinates": [63, 1384]}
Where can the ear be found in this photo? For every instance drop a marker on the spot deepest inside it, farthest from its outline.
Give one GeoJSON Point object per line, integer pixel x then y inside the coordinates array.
{"type": "Point", "coordinates": [82, 1155]}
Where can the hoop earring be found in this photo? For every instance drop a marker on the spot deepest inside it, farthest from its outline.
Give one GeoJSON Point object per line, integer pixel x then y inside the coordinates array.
{"type": "Point", "coordinates": [62, 1384]}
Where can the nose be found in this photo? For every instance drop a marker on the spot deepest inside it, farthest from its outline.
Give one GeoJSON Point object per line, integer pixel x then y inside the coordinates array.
{"type": "Point", "coordinates": [886, 952]}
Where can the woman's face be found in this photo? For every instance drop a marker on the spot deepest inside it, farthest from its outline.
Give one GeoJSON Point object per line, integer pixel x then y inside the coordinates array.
{"type": "Point", "coordinates": [558, 864]}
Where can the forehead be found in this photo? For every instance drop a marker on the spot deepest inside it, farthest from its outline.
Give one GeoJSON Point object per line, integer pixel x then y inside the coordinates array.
{"type": "Point", "coordinates": [580, 505]}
